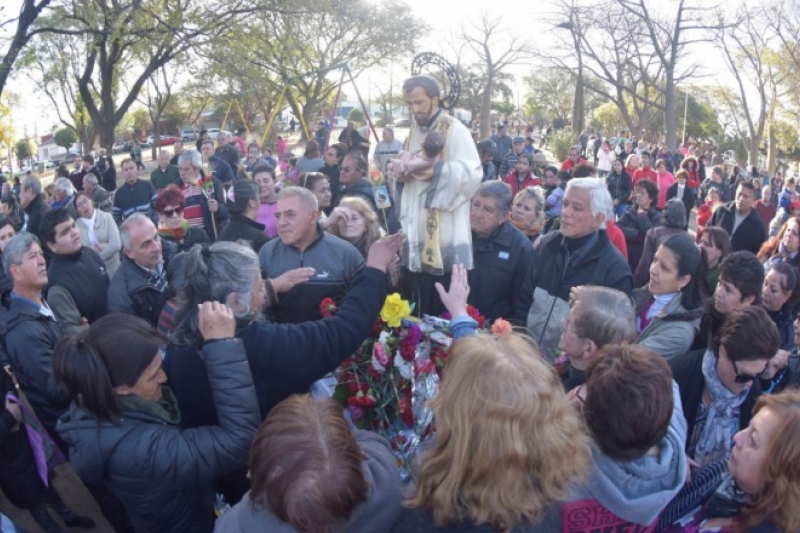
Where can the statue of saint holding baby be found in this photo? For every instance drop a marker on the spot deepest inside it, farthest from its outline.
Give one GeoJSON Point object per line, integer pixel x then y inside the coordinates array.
{"type": "Point", "coordinates": [440, 170]}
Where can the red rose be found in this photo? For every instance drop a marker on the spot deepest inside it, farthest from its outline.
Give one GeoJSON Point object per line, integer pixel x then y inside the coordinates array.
{"type": "Point", "coordinates": [369, 401]}
{"type": "Point", "coordinates": [327, 307]}
{"type": "Point", "coordinates": [406, 411]}
{"type": "Point", "coordinates": [407, 351]}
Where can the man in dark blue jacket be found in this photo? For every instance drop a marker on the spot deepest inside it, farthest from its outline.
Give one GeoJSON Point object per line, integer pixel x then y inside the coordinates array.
{"type": "Point", "coordinates": [29, 330]}
{"type": "Point", "coordinates": [500, 280]}
{"type": "Point", "coordinates": [503, 143]}
{"type": "Point", "coordinates": [579, 253]}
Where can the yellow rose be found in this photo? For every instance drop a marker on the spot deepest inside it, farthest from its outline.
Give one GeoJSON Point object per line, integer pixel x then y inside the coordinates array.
{"type": "Point", "coordinates": [395, 309]}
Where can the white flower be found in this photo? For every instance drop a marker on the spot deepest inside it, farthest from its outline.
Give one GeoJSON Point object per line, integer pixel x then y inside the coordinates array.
{"type": "Point", "coordinates": [377, 366]}
{"type": "Point", "coordinates": [384, 337]}
{"type": "Point", "coordinates": [406, 368]}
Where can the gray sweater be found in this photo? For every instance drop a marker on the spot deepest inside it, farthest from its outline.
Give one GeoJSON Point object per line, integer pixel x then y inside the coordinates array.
{"type": "Point", "coordinates": [619, 494]}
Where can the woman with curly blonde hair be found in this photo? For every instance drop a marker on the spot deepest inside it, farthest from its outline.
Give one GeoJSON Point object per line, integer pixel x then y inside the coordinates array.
{"type": "Point", "coordinates": [508, 446]}
{"type": "Point", "coordinates": [758, 486]}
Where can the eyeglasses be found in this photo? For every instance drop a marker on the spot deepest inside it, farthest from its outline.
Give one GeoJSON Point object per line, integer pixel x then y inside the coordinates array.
{"type": "Point", "coordinates": [169, 213]}
{"type": "Point", "coordinates": [565, 325]}
{"type": "Point", "coordinates": [742, 378]}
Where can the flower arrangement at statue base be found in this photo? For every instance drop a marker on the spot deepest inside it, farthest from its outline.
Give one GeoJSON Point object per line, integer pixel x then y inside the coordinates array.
{"type": "Point", "coordinates": [387, 384]}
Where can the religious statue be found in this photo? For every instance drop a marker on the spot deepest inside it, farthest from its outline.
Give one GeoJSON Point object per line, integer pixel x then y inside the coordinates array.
{"type": "Point", "coordinates": [437, 187]}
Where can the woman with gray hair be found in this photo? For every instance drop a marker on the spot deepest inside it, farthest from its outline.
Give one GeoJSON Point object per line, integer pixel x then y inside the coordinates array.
{"type": "Point", "coordinates": [285, 359]}
{"type": "Point", "coordinates": [674, 219]}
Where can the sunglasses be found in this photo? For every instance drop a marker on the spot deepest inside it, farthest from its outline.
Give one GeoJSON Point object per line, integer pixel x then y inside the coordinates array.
{"type": "Point", "coordinates": [169, 213]}
{"type": "Point", "coordinates": [742, 378]}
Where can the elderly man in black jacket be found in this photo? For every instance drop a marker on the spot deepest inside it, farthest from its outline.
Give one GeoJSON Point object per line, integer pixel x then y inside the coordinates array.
{"type": "Point", "coordinates": [500, 279]}
{"type": "Point", "coordinates": [140, 284]}
{"type": "Point", "coordinates": [29, 330]}
{"type": "Point", "coordinates": [579, 253]}
{"type": "Point", "coordinates": [741, 221]}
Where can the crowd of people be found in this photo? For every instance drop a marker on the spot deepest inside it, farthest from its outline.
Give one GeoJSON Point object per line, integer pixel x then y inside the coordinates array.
{"type": "Point", "coordinates": [163, 337]}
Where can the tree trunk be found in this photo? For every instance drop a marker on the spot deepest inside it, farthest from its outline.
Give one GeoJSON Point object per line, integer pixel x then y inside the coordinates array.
{"type": "Point", "coordinates": [772, 147]}
{"type": "Point", "coordinates": [156, 137]}
{"type": "Point", "coordinates": [105, 131]}
{"type": "Point", "coordinates": [669, 110]}
{"type": "Point", "coordinates": [486, 107]}
{"type": "Point", "coordinates": [753, 153]}
{"type": "Point", "coordinates": [578, 111]}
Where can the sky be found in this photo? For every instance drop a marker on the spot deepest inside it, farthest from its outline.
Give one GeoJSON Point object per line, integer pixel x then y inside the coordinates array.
{"type": "Point", "coordinates": [445, 17]}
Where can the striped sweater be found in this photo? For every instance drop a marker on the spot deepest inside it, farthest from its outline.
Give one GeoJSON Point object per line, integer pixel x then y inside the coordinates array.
{"type": "Point", "coordinates": [137, 198]}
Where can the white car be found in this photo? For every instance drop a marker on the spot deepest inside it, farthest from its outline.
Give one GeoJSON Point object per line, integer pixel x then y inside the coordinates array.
{"type": "Point", "coordinates": [339, 122]}
{"type": "Point", "coordinates": [188, 135]}
{"type": "Point", "coordinates": [214, 132]}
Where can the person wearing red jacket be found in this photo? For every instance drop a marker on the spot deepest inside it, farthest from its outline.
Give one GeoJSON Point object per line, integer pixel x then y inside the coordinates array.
{"type": "Point", "coordinates": [645, 172]}
{"type": "Point", "coordinates": [573, 159]}
{"type": "Point", "coordinates": [691, 166]}
{"type": "Point", "coordinates": [522, 176]}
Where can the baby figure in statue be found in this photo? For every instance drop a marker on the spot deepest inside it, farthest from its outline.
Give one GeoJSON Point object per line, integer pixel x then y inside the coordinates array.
{"type": "Point", "coordinates": [421, 161]}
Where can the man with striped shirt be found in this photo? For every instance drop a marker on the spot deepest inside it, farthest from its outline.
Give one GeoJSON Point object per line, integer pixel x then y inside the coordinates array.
{"type": "Point", "coordinates": [134, 196]}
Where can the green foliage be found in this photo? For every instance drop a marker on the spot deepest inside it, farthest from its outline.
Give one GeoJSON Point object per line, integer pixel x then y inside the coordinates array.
{"type": "Point", "coordinates": [608, 116]}
{"type": "Point", "coordinates": [473, 85]}
{"type": "Point", "coordinates": [24, 148]}
{"type": "Point", "coordinates": [786, 136]}
{"type": "Point", "coordinates": [551, 91]}
{"type": "Point", "coordinates": [65, 137]}
{"type": "Point", "coordinates": [275, 49]}
{"type": "Point", "coordinates": [356, 115]}
{"type": "Point", "coordinates": [560, 143]}
{"type": "Point", "coordinates": [503, 107]}
{"type": "Point", "coordinates": [6, 124]}
{"type": "Point", "coordinates": [140, 119]}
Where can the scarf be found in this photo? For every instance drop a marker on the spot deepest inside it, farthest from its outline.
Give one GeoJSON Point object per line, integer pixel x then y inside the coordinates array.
{"type": "Point", "coordinates": [165, 409]}
{"type": "Point", "coordinates": [722, 422]}
{"type": "Point", "coordinates": [89, 224]}
{"type": "Point", "coordinates": [528, 230]}
{"type": "Point", "coordinates": [176, 234]}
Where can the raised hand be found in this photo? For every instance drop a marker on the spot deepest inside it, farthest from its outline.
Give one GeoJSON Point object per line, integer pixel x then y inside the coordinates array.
{"type": "Point", "coordinates": [216, 321]}
{"type": "Point", "coordinates": [455, 300]}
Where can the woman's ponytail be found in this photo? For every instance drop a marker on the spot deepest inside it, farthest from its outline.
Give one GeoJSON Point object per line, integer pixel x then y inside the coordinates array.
{"type": "Point", "coordinates": [82, 373]}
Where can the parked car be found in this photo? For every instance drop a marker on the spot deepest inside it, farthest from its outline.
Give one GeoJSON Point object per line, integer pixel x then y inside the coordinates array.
{"type": "Point", "coordinates": [49, 163]}
{"type": "Point", "coordinates": [213, 132]}
{"type": "Point", "coordinates": [164, 140]}
{"type": "Point", "coordinates": [120, 147]}
{"type": "Point", "coordinates": [69, 158]}
{"type": "Point", "coordinates": [402, 122]}
{"type": "Point", "coordinates": [188, 135]}
{"type": "Point", "coordinates": [339, 122]}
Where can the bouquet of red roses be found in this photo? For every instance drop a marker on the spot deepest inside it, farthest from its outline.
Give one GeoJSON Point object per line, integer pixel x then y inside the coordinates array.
{"type": "Point", "coordinates": [381, 384]}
